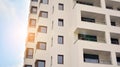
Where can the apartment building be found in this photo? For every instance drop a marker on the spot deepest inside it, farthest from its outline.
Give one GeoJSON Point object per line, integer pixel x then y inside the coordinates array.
{"type": "Point", "coordinates": [73, 33]}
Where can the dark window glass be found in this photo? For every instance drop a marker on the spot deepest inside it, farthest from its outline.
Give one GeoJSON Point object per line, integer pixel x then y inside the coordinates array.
{"type": "Point", "coordinates": [29, 53]}
{"type": "Point", "coordinates": [87, 37]}
{"type": "Point", "coordinates": [61, 6]}
{"type": "Point", "coordinates": [60, 59]}
{"type": "Point", "coordinates": [118, 9]}
{"type": "Point", "coordinates": [40, 63]}
{"type": "Point", "coordinates": [42, 29]}
{"type": "Point", "coordinates": [43, 14]}
{"type": "Point", "coordinates": [114, 41]}
{"type": "Point", "coordinates": [113, 23]}
{"type": "Point", "coordinates": [91, 58]}
{"type": "Point", "coordinates": [60, 40]}
{"type": "Point", "coordinates": [35, 0]}
{"type": "Point", "coordinates": [60, 22]}
{"type": "Point", "coordinates": [44, 1]}
{"type": "Point", "coordinates": [28, 66]}
{"type": "Point", "coordinates": [118, 59]}
{"type": "Point", "coordinates": [33, 9]}
{"type": "Point", "coordinates": [109, 7]}
{"type": "Point", "coordinates": [86, 3]}
{"type": "Point", "coordinates": [41, 45]}
{"type": "Point", "coordinates": [88, 19]}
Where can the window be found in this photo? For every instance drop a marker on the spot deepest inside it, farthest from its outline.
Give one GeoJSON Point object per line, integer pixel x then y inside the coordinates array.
{"type": "Point", "coordinates": [44, 1]}
{"type": "Point", "coordinates": [86, 3]}
{"type": "Point", "coordinates": [109, 7]}
{"type": "Point", "coordinates": [41, 45]}
{"type": "Point", "coordinates": [29, 53]}
{"type": "Point", "coordinates": [43, 14]}
{"type": "Point", "coordinates": [60, 59]}
{"type": "Point", "coordinates": [28, 66]}
{"type": "Point", "coordinates": [40, 63]}
{"type": "Point", "coordinates": [91, 58]}
{"type": "Point", "coordinates": [31, 37]}
{"type": "Point", "coordinates": [60, 22]}
{"type": "Point", "coordinates": [118, 9]}
{"type": "Point", "coordinates": [114, 41]}
{"type": "Point", "coordinates": [33, 9]}
{"type": "Point", "coordinates": [60, 39]}
{"type": "Point", "coordinates": [61, 6]}
{"type": "Point", "coordinates": [118, 59]}
{"type": "Point", "coordinates": [42, 29]}
{"type": "Point", "coordinates": [32, 23]}
{"type": "Point", "coordinates": [88, 19]}
{"type": "Point", "coordinates": [87, 37]}
{"type": "Point", "coordinates": [35, 0]}
{"type": "Point", "coordinates": [113, 23]}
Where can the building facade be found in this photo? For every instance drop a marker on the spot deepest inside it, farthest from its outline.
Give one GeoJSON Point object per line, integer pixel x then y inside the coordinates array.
{"type": "Point", "coordinates": [73, 33]}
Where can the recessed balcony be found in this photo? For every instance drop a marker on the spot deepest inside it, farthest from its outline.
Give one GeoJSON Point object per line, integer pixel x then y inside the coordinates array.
{"type": "Point", "coordinates": [89, 2]}
{"type": "Point", "coordinates": [115, 21]}
{"type": "Point", "coordinates": [96, 56]}
{"type": "Point", "coordinates": [112, 5]}
{"type": "Point", "coordinates": [93, 17]}
{"type": "Point", "coordinates": [90, 35]}
{"type": "Point", "coordinates": [118, 58]}
{"type": "Point", "coordinates": [115, 38]}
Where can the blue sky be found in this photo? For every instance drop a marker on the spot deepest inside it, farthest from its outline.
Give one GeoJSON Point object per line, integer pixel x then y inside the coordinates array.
{"type": "Point", "coordinates": [13, 30]}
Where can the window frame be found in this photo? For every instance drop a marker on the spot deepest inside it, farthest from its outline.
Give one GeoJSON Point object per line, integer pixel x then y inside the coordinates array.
{"type": "Point", "coordinates": [45, 14]}
{"type": "Point", "coordinates": [27, 53]}
{"type": "Point", "coordinates": [116, 41]}
{"type": "Point", "coordinates": [31, 24]}
{"type": "Point", "coordinates": [87, 19]}
{"type": "Point", "coordinates": [36, 63]}
{"type": "Point", "coordinates": [34, 0]}
{"type": "Point", "coordinates": [32, 10]}
{"type": "Point", "coordinates": [61, 38]}
{"type": "Point", "coordinates": [38, 45]}
{"type": "Point", "coordinates": [87, 37]}
{"type": "Point", "coordinates": [27, 65]}
{"type": "Point", "coordinates": [42, 1]}
{"type": "Point", "coordinates": [62, 59]}
{"type": "Point", "coordinates": [113, 23]}
{"type": "Point", "coordinates": [60, 22]}
{"type": "Point", "coordinates": [61, 6]}
{"type": "Point", "coordinates": [41, 28]}
{"type": "Point", "coordinates": [92, 57]}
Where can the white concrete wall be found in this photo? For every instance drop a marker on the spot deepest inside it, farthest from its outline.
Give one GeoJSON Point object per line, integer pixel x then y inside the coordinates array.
{"type": "Point", "coordinates": [72, 51]}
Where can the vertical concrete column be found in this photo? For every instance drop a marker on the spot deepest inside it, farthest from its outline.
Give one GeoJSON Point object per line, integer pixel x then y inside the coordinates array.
{"type": "Point", "coordinates": [107, 37]}
{"type": "Point", "coordinates": [108, 22]}
{"type": "Point", "coordinates": [113, 58]}
{"type": "Point", "coordinates": [103, 4]}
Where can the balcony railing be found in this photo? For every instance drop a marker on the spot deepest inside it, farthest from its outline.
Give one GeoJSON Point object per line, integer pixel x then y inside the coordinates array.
{"type": "Point", "coordinates": [87, 37]}
{"type": "Point", "coordinates": [89, 2]}
{"type": "Point", "coordinates": [85, 3]}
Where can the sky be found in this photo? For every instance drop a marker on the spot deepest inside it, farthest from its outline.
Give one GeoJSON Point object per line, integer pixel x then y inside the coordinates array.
{"type": "Point", "coordinates": [13, 31]}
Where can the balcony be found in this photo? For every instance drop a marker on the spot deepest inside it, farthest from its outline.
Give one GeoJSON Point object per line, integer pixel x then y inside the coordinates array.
{"type": "Point", "coordinates": [112, 5]}
{"type": "Point", "coordinates": [90, 35]}
{"type": "Point", "coordinates": [115, 21]}
{"type": "Point", "coordinates": [118, 58]}
{"type": "Point", "coordinates": [95, 56]}
{"type": "Point", "coordinates": [115, 38]}
{"type": "Point", "coordinates": [93, 17]}
{"type": "Point", "coordinates": [89, 2]}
